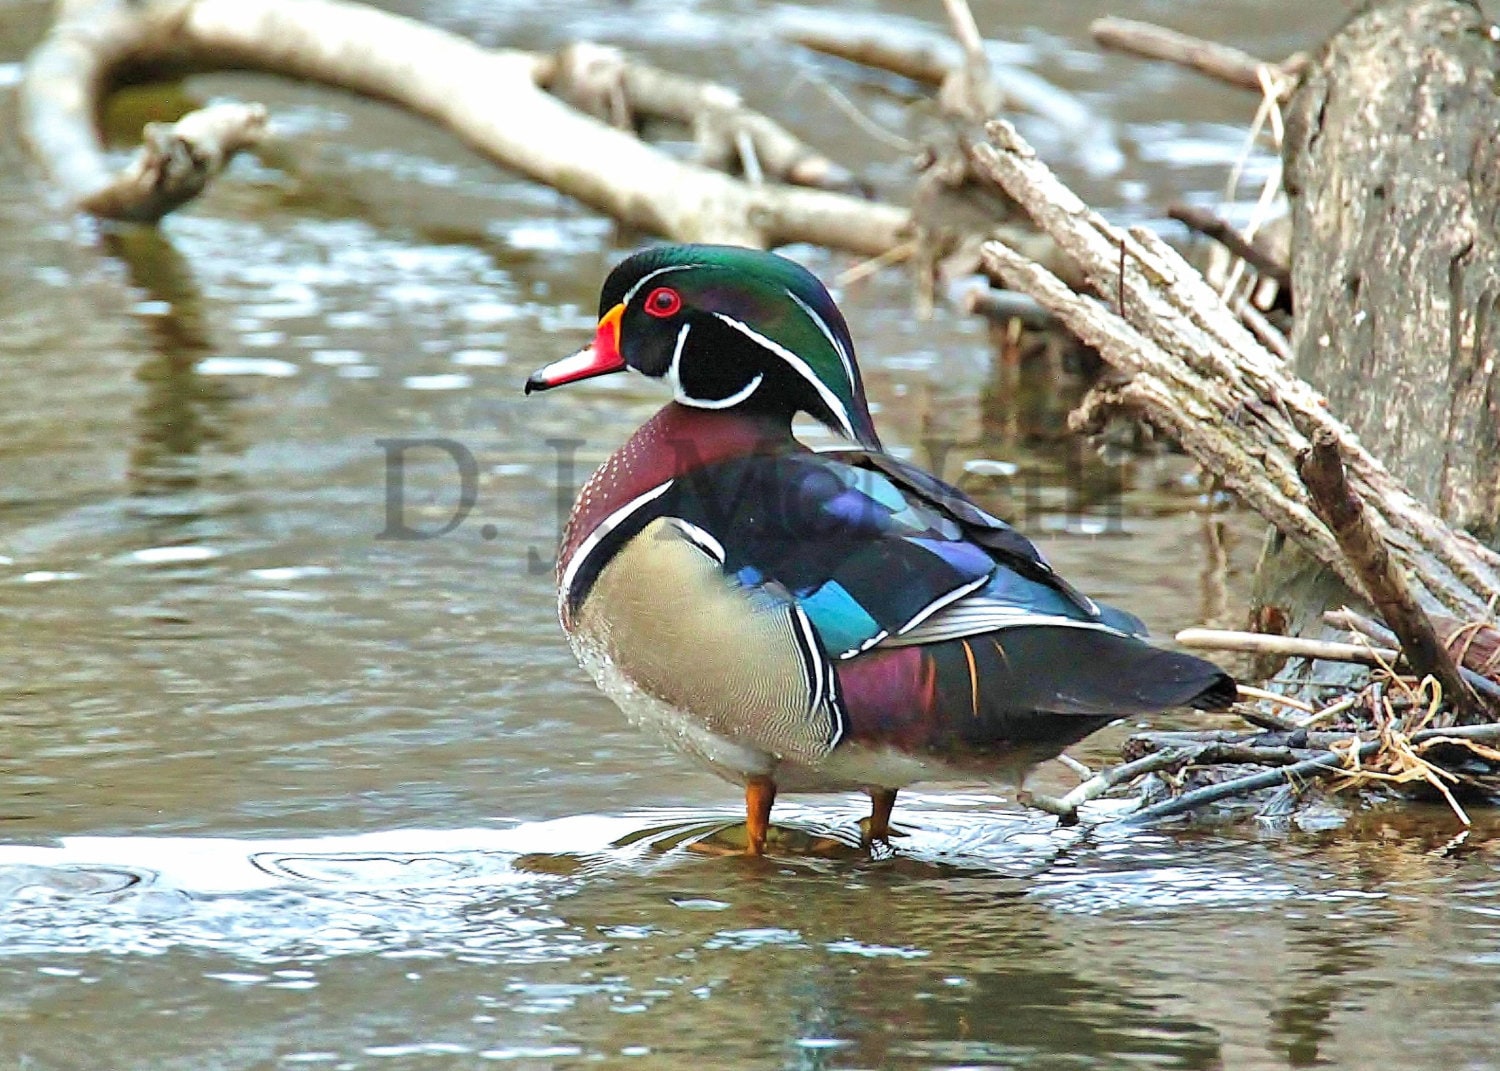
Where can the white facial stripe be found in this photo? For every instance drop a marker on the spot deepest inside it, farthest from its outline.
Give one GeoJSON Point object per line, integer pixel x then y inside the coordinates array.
{"type": "Point", "coordinates": [674, 374]}
{"type": "Point", "coordinates": [608, 525]}
{"type": "Point", "coordinates": [838, 347]}
{"type": "Point", "coordinates": [644, 279]}
{"type": "Point", "coordinates": [798, 365]}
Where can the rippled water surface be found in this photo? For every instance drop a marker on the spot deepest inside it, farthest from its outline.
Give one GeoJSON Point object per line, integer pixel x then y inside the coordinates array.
{"type": "Point", "coordinates": [279, 793]}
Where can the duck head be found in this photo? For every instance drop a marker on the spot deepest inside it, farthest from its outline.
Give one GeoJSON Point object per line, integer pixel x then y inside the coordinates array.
{"type": "Point", "coordinates": [728, 328]}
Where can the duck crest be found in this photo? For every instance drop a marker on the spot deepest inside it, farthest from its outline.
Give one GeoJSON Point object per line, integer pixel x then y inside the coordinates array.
{"type": "Point", "coordinates": [676, 441]}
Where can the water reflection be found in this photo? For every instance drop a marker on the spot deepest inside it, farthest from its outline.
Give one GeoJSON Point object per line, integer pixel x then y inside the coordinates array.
{"type": "Point", "coordinates": [184, 419]}
{"type": "Point", "coordinates": [1028, 948]}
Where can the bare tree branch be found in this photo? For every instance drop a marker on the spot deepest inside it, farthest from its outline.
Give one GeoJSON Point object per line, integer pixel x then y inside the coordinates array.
{"type": "Point", "coordinates": [1341, 509]}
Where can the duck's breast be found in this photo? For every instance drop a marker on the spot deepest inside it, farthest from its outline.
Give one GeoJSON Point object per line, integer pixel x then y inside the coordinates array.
{"type": "Point", "coordinates": [740, 663]}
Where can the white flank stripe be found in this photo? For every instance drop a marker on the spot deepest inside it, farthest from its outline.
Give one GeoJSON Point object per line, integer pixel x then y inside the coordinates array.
{"type": "Point", "coordinates": [609, 524]}
{"type": "Point", "coordinates": [946, 627]}
{"type": "Point", "coordinates": [700, 539]}
{"type": "Point", "coordinates": [799, 366]}
{"type": "Point", "coordinates": [873, 641]}
{"type": "Point", "coordinates": [812, 657]}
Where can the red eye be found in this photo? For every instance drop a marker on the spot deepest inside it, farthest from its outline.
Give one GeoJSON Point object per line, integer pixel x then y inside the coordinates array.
{"type": "Point", "coordinates": [663, 302]}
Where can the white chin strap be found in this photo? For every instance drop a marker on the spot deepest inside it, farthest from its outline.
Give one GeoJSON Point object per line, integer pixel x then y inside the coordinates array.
{"type": "Point", "coordinates": [674, 374]}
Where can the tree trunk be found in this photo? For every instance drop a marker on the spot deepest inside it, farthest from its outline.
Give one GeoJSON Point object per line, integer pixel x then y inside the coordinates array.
{"type": "Point", "coordinates": [1393, 171]}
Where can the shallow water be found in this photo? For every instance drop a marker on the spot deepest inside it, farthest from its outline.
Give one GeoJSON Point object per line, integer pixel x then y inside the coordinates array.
{"type": "Point", "coordinates": [280, 793]}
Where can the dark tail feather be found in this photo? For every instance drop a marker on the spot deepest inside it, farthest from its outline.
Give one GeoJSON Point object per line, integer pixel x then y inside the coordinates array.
{"type": "Point", "coordinates": [1036, 687]}
{"type": "Point", "coordinates": [1093, 672]}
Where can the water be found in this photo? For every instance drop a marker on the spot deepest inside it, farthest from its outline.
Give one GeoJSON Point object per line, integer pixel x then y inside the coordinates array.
{"type": "Point", "coordinates": [279, 793]}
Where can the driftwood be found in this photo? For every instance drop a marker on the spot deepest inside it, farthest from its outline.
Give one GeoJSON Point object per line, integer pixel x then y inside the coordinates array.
{"type": "Point", "coordinates": [491, 99]}
{"type": "Point", "coordinates": [176, 162]}
{"type": "Point", "coordinates": [1199, 375]}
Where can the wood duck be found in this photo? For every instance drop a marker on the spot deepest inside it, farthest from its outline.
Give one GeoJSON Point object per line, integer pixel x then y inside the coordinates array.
{"type": "Point", "coordinates": [816, 621]}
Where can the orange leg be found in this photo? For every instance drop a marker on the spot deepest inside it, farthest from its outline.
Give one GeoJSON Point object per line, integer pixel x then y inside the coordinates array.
{"type": "Point", "coordinates": [881, 802]}
{"type": "Point", "coordinates": [760, 794]}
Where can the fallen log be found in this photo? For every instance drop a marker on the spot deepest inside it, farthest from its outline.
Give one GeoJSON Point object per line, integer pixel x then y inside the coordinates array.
{"type": "Point", "coordinates": [493, 100]}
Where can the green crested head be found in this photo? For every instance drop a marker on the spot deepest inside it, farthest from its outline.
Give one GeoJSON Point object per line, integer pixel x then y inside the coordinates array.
{"type": "Point", "coordinates": [728, 327]}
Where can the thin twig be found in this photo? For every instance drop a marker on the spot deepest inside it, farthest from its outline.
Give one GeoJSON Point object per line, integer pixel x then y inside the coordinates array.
{"type": "Point", "coordinates": [1212, 225]}
{"type": "Point", "coordinates": [1066, 807]}
{"type": "Point", "coordinates": [1222, 62]}
{"type": "Point", "coordinates": [1212, 639]}
{"type": "Point", "coordinates": [894, 255]}
{"type": "Point", "coordinates": [1247, 692]}
{"type": "Point", "coordinates": [1262, 719]}
{"type": "Point", "coordinates": [1079, 768]}
{"type": "Point", "coordinates": [841, 101]}
{"type": "Point", "coordinates": [978, 94]}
